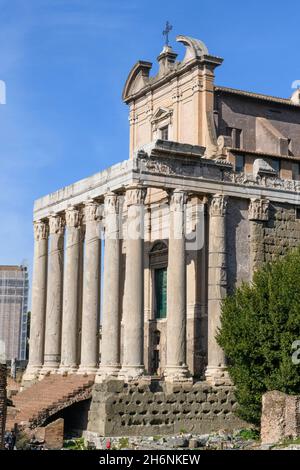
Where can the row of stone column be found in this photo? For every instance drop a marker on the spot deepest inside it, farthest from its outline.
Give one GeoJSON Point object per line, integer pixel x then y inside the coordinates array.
{"type": "Point", "coordinates": [56, 291]}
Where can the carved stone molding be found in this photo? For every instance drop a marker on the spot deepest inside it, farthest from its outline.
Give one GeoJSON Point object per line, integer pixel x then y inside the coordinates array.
{"type": "Point", "coordinates": [56, 224]}
{"type": "Point", "coordinates": [178, 198]}
{"type": "Point", "coordinates": [135, 196]}
{"type": "Point", "coordinates": [218, 205]}
{"type": "Point", "coordinates": [73, 217]}
{"type": "Point", "coordinates": [91, 212]}
{"type": "Point", "coordinates": [41, 230]}
{"type": "Point", "coordinates": [111, 203]}
{"type": "Point", "coordinates": [259, 209]}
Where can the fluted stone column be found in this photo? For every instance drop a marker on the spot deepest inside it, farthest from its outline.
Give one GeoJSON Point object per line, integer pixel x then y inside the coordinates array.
{"type": "Point", "coordinates": [91, 291]}
{"type": "Point", "coordinates": [39, 295]}
{"type": "Point", "coordinates": [54, 294]}
{"type": "Point", "coordinates": [110, 346]}
{"type": "Point", "coordinates": [133, 362]}
{"type": "Point", "coordinates": [71, 289]}
{"type": "Point", "coordinates": [216, 372]}
{"type": "Point", "coordinates": [176, 368]}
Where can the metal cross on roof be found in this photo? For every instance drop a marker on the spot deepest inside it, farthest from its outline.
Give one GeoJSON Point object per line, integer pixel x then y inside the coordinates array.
{"type": "Point", "coordinates": [166, 32]}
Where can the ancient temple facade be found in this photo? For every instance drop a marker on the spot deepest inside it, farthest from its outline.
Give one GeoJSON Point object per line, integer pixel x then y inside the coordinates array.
{"type": "Point", "coordinates": [131, 264]}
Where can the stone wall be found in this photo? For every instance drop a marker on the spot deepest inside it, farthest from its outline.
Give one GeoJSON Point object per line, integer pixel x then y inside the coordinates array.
{"type": "Point", "coordinates": [118, 409]}
{"type": "Point", "coordinates": [280, 417]}
{"type": "Point", "coordinates": [2, 402]}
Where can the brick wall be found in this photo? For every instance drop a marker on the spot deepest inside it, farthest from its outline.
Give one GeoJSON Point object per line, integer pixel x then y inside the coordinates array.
{"type": "Point", "coordinates": [2, 402]}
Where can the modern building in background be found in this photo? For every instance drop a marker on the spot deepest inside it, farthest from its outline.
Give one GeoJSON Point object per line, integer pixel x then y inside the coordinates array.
{"type": "Point", "coordinates": [14, 288]}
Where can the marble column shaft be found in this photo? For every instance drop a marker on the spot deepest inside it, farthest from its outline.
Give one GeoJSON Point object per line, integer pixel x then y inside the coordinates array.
{"type": "Point", "coordinates": [110, 347]}
{"type": "Point", "coordinates": [91, 291]}
{"type": "Point", "coordinates": [54, 294]}
{"type": "Point", "coordinates": [71, 289]}
{"type": "Point", "coordinates": [39, 296]}
{"type": "Point", "coordinates": [217, 285]}
{"type": "Point", "coordinates": [176, 368]}
{"type": "Point", "coordinates": [133, 362]}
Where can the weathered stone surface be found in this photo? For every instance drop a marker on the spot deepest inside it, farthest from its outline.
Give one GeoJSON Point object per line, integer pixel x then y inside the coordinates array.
{"type": "Point", "coordinates": [201, 409]}
{"type": "Point", "coordinates": [3, 372]}
{"type": "Point", "coordinates": [280, 417]}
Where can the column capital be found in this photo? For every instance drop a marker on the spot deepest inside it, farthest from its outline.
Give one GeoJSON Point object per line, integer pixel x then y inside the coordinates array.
{"type": "Point", "coordinates": [135, 195]}
{"type": "Point", "coordinates": [91, 211]}
{"type": "Point", "coordinates": [56, 224]}
{"type": "Point", "coordinates": [218, 205]}
{"type": "Point", "coordinates": [111, 203]}
{"type": "Point", "coordinates": [41, 230]}
{"type": "Point", "coordinates": [73, 217]}
{"type": "Point", "coordinates": [177, 198]}
{"type": "Point", "coordinates": [259, 209]}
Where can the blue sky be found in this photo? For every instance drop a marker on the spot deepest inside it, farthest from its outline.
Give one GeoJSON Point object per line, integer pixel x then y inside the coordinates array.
{"type": "Point", "coordinates": [64, 63]}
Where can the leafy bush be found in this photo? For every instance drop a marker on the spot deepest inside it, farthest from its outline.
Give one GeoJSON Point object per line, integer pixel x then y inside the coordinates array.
{"type": "Point", "coordinates": [259, 323]}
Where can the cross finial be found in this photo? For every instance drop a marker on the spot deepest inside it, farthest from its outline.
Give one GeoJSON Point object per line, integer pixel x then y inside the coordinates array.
{"type": "Point", "coordinates": [166, 32]}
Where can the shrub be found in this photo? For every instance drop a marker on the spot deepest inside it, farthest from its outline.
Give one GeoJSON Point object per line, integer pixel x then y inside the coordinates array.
{"type": "Point", "coordinates": [259, 323]}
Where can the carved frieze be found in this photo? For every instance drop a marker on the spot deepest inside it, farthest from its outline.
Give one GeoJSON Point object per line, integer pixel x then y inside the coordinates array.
{"type": "Point", "coordinates": [259, 209]}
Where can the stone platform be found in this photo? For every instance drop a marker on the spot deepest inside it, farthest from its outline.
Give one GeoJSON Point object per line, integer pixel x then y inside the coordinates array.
{"type": "Point", "coordinates": [120, 409]}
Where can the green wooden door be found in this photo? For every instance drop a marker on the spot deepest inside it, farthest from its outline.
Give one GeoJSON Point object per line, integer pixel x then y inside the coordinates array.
{"type": "Point", "coordinates": [161, 292]}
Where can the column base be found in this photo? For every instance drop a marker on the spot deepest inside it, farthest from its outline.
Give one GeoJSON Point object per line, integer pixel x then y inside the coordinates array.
{"type": "Point", "coordinates": [129, 373]}
{"type": "Point", "coordinates": [67, 370]}
{"type": "Point", "coordinates": [106, 372]}
{"type": "Point", "coordinates": [49, 369]}
{"type": "Point", "coordinates": [217, 376]}
{"type": "Point", "coordinates": [87, 370]}
{"type": "Point", "coordinates": [177, 374]}
{"type": "Point", "coordinates": [31, 374]}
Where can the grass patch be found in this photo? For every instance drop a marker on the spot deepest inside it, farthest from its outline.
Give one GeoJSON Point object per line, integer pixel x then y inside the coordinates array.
{"type": "Point", "coordinates": [249, 434]}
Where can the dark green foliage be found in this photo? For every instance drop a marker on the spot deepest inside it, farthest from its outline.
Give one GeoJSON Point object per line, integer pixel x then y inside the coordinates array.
{"type": "Point", "coordinates": [259, 323]}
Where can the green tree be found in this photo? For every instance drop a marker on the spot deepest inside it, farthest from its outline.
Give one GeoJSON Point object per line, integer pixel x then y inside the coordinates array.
{"type": "Point", "coordinates": [259, 323]}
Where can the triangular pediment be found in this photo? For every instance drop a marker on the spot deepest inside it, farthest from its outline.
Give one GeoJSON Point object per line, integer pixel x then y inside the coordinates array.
{"type": "Point", "coordinates": [161, 113]}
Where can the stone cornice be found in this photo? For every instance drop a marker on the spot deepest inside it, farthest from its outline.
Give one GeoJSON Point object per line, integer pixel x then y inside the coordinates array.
{"type": "Point", "coordinates": [256, 96]}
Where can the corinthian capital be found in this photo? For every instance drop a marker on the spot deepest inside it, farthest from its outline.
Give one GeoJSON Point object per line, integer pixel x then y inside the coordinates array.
{"type": "Point", "coordinates": [56, 224]}
{"type": "Point", "coordinates": [91, 211]}
{"type": "Point", "coordinates": [41, 230]}
{"type": "Point", "coordinates": [178, 198]}
{"type": "Point", "coordinates": [259, 209]}
{"type": "Point", "coordinates": [111, 203]}
{"type": "Point", "coordinates": [218, 205]}
{"type": "Point", "coordinates": [135, 196]}
{"type": "Point", "coordinates": [73, 217]}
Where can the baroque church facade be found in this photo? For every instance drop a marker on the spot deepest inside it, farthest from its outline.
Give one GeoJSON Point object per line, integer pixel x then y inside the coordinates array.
{"type": "Point", "coordinates": [211, 188]}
